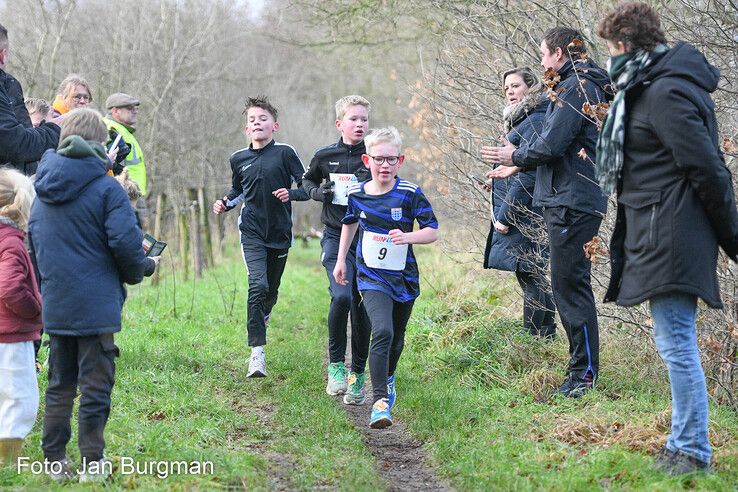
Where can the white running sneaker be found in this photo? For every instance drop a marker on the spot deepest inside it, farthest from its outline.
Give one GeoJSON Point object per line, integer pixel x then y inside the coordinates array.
{"type": "Point", "coordinates": [257, 364]}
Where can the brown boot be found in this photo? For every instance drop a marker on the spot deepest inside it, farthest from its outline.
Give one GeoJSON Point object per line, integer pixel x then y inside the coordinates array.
{"type": "Point", "coordinates": [9, 451]}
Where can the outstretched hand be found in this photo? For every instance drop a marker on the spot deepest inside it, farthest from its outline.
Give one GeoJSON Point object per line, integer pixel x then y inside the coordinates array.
{"type": "Point", "coordinates": [499, 155]}
{"type": "Point", "coordinates": [502, 172]}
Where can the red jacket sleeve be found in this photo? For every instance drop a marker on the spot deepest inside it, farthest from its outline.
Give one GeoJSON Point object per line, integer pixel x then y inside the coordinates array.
{"type": "Point", "coordinates": [16, 292]}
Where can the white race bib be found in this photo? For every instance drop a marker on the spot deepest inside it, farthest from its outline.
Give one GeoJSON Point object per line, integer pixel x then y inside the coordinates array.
{"type": "Point", "coordinates": [378, 251]}
{"type": "Point", "coordinates": [342, 182]}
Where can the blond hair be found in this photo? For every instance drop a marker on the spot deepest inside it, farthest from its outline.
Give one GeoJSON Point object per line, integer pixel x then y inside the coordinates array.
{"type": "Point", "coordinates": [66, 88]}
{"type": "Point", "coordinates": [343, 104]}
{"type": "Point", "coordinates": [16, 196]}
{"type": "Point", "coordinates": [85, 122]}
{"type": "Point", "coordinates": [37, 105]}
{"type": "Point", "coordinates": [132, 189]}
{"type": "Point", "coordinates": [383, 135]}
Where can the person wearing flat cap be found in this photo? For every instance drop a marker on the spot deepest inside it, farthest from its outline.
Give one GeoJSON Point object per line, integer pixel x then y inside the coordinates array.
{"type": "Point", "coordinates": [121, 119]}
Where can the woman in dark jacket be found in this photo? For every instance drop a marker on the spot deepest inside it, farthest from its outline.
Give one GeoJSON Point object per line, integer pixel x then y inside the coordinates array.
{"type": "Point", "coordinates": [659, 151]}
{"type": "Point", "coordinates": [510, 246]}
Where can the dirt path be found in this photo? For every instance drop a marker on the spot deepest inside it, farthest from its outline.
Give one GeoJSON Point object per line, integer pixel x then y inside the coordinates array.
{"type": "Point", "coordinates": [279, 465]}
{"type": "Point", "coordinates": [401, 459]}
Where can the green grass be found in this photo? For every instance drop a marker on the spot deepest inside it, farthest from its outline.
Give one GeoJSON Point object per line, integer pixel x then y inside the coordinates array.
{"type": "Point", "coordinates": [181, 391]}
{"type": "Point", "coordinates": [469, 386]}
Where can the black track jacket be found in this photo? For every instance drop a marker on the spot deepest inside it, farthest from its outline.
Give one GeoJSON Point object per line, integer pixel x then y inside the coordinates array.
{"type": "Point", "coordinates": [335, 158]}
{"type": "Point", "coordinates": [256, 174]}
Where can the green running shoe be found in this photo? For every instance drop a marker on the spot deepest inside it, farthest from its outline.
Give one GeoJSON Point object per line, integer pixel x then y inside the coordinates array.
{"type": "Point", "coordinates": [336, 379]}
{"type": "Point", "coordinates": [355, 395]}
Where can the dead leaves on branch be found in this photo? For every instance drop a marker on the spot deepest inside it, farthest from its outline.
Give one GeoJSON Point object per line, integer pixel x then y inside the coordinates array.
{"type": "Point", "coordinates": [551, 79]}
{"type": "Point", "coordinates": [594, 249]}
{"type": "Point", "coordinates": [596, 112]}
{"type": "Point", "coordinates": [729, 146]}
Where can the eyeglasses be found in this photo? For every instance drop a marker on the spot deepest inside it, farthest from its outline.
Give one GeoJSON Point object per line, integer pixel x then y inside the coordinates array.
{"type": "Point", "coordinates": [132, 109]}
{"type": "Point", "coordinates": [79, 97]}
{"type": "Point", "coordinates": [391, 160]}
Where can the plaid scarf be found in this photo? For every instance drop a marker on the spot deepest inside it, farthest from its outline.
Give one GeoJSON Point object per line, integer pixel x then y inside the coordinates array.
{"type": "Point", "coordinates": [624, 70]}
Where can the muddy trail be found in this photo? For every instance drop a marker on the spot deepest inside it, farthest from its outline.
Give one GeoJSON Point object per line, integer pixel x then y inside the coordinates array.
{"type": "Point", "coordinates": [401, 460]}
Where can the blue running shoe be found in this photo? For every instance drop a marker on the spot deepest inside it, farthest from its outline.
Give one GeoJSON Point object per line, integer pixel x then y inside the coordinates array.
{"type": "Point", "coordinates": [381, 417]}
{"type": "Point", "coordinates": [391, 393]}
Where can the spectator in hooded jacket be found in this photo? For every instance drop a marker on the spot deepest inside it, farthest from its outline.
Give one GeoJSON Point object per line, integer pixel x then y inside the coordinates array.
{"type": "Point", "coordinates": [676, 205]}
{"type": "Point", "coordinates": [20, 317]}
{"type": "Point", "coordinates": [87, 244]}
{"type": "Point", "coordinates": [510, 246]}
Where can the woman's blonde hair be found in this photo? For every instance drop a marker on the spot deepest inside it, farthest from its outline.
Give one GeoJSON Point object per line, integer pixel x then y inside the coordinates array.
{"type": "Point", "coordinates": [85, 122]}
{"type": "Point", "coordinates": [132, 189]}
{"type": "Point", "coordinates": [66, 88]}
{"type": "Point", "coordinates": [16, 196]}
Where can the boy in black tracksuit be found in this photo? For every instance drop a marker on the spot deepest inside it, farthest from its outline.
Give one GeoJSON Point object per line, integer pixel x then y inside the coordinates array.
{"type": "Point", "coordinates": [341, 162]}
{"type": "Point", "coordinates": [262, 176]}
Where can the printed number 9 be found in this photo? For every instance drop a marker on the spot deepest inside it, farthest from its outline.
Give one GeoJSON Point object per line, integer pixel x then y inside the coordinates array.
{"type": "Point", "coordinates": [382, 253]}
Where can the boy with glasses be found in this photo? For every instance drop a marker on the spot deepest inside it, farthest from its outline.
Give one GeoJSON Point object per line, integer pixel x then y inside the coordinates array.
{"type": "Point", "coordinates": [386, 207]}
{"type": "Point", "coordinates": [332, 170]}
{"type": "Point", "coordinates": [262, 175]}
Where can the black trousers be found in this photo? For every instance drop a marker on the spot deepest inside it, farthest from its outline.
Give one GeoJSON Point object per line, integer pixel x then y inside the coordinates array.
{"type": "Point", "coordinates": [265, 268]}
{"type": "Point", "coordinates": [87, 362]}
{"type": "Point", "coordinates": [568, 232]}
{"type": "Point", "coordinates": [345, 301]}
{"type": "Point", "coordinates": [389, 319]}
{"type": "Point", "coordinates": [539, 310]}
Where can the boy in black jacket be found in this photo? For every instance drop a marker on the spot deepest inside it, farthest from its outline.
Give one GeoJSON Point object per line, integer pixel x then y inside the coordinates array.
{"type": "Point", "coordinates": [332, 170]}
{"type": "Point", "coordinates": [262, 175]}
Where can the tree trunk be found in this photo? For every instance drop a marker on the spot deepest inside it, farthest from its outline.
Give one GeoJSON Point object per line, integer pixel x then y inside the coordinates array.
{"type": "Point", "coordinates": [207, 238]}
{"type": "Point", "coordinates": [194, 212]}
{"type": "Point", "coordinates": [161, 204]}
{"type": "Point", "coordinates": [184, 241]}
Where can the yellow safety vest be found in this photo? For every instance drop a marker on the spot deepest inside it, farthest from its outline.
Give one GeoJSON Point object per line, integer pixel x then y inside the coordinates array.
{"type": "Point", "coordinates": [135, 159]}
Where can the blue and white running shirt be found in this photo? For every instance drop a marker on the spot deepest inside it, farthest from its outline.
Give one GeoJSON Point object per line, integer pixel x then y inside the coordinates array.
{"type": "Point", "coordinates": [399, 208]}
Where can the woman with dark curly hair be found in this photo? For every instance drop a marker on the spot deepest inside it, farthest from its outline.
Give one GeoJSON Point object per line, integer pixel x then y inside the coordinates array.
{"type": "Point", "coordinates": [658, 150]}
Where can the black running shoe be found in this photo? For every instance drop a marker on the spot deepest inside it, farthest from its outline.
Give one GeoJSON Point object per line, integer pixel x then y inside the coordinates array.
{"type": "Point", "coordinates": [574, 387]}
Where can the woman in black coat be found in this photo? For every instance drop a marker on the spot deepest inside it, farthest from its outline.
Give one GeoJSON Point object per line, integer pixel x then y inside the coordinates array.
{"type": "Point", "coordinates": [659, 152]}
{"type": "Point", "coordinates": [510, 246]}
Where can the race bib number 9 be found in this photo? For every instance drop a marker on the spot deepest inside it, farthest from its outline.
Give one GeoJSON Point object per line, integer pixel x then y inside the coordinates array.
{"type": "Point", "coordinates": [378, 251]}
{"type": "Point", "coordinates": [342, 182]}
